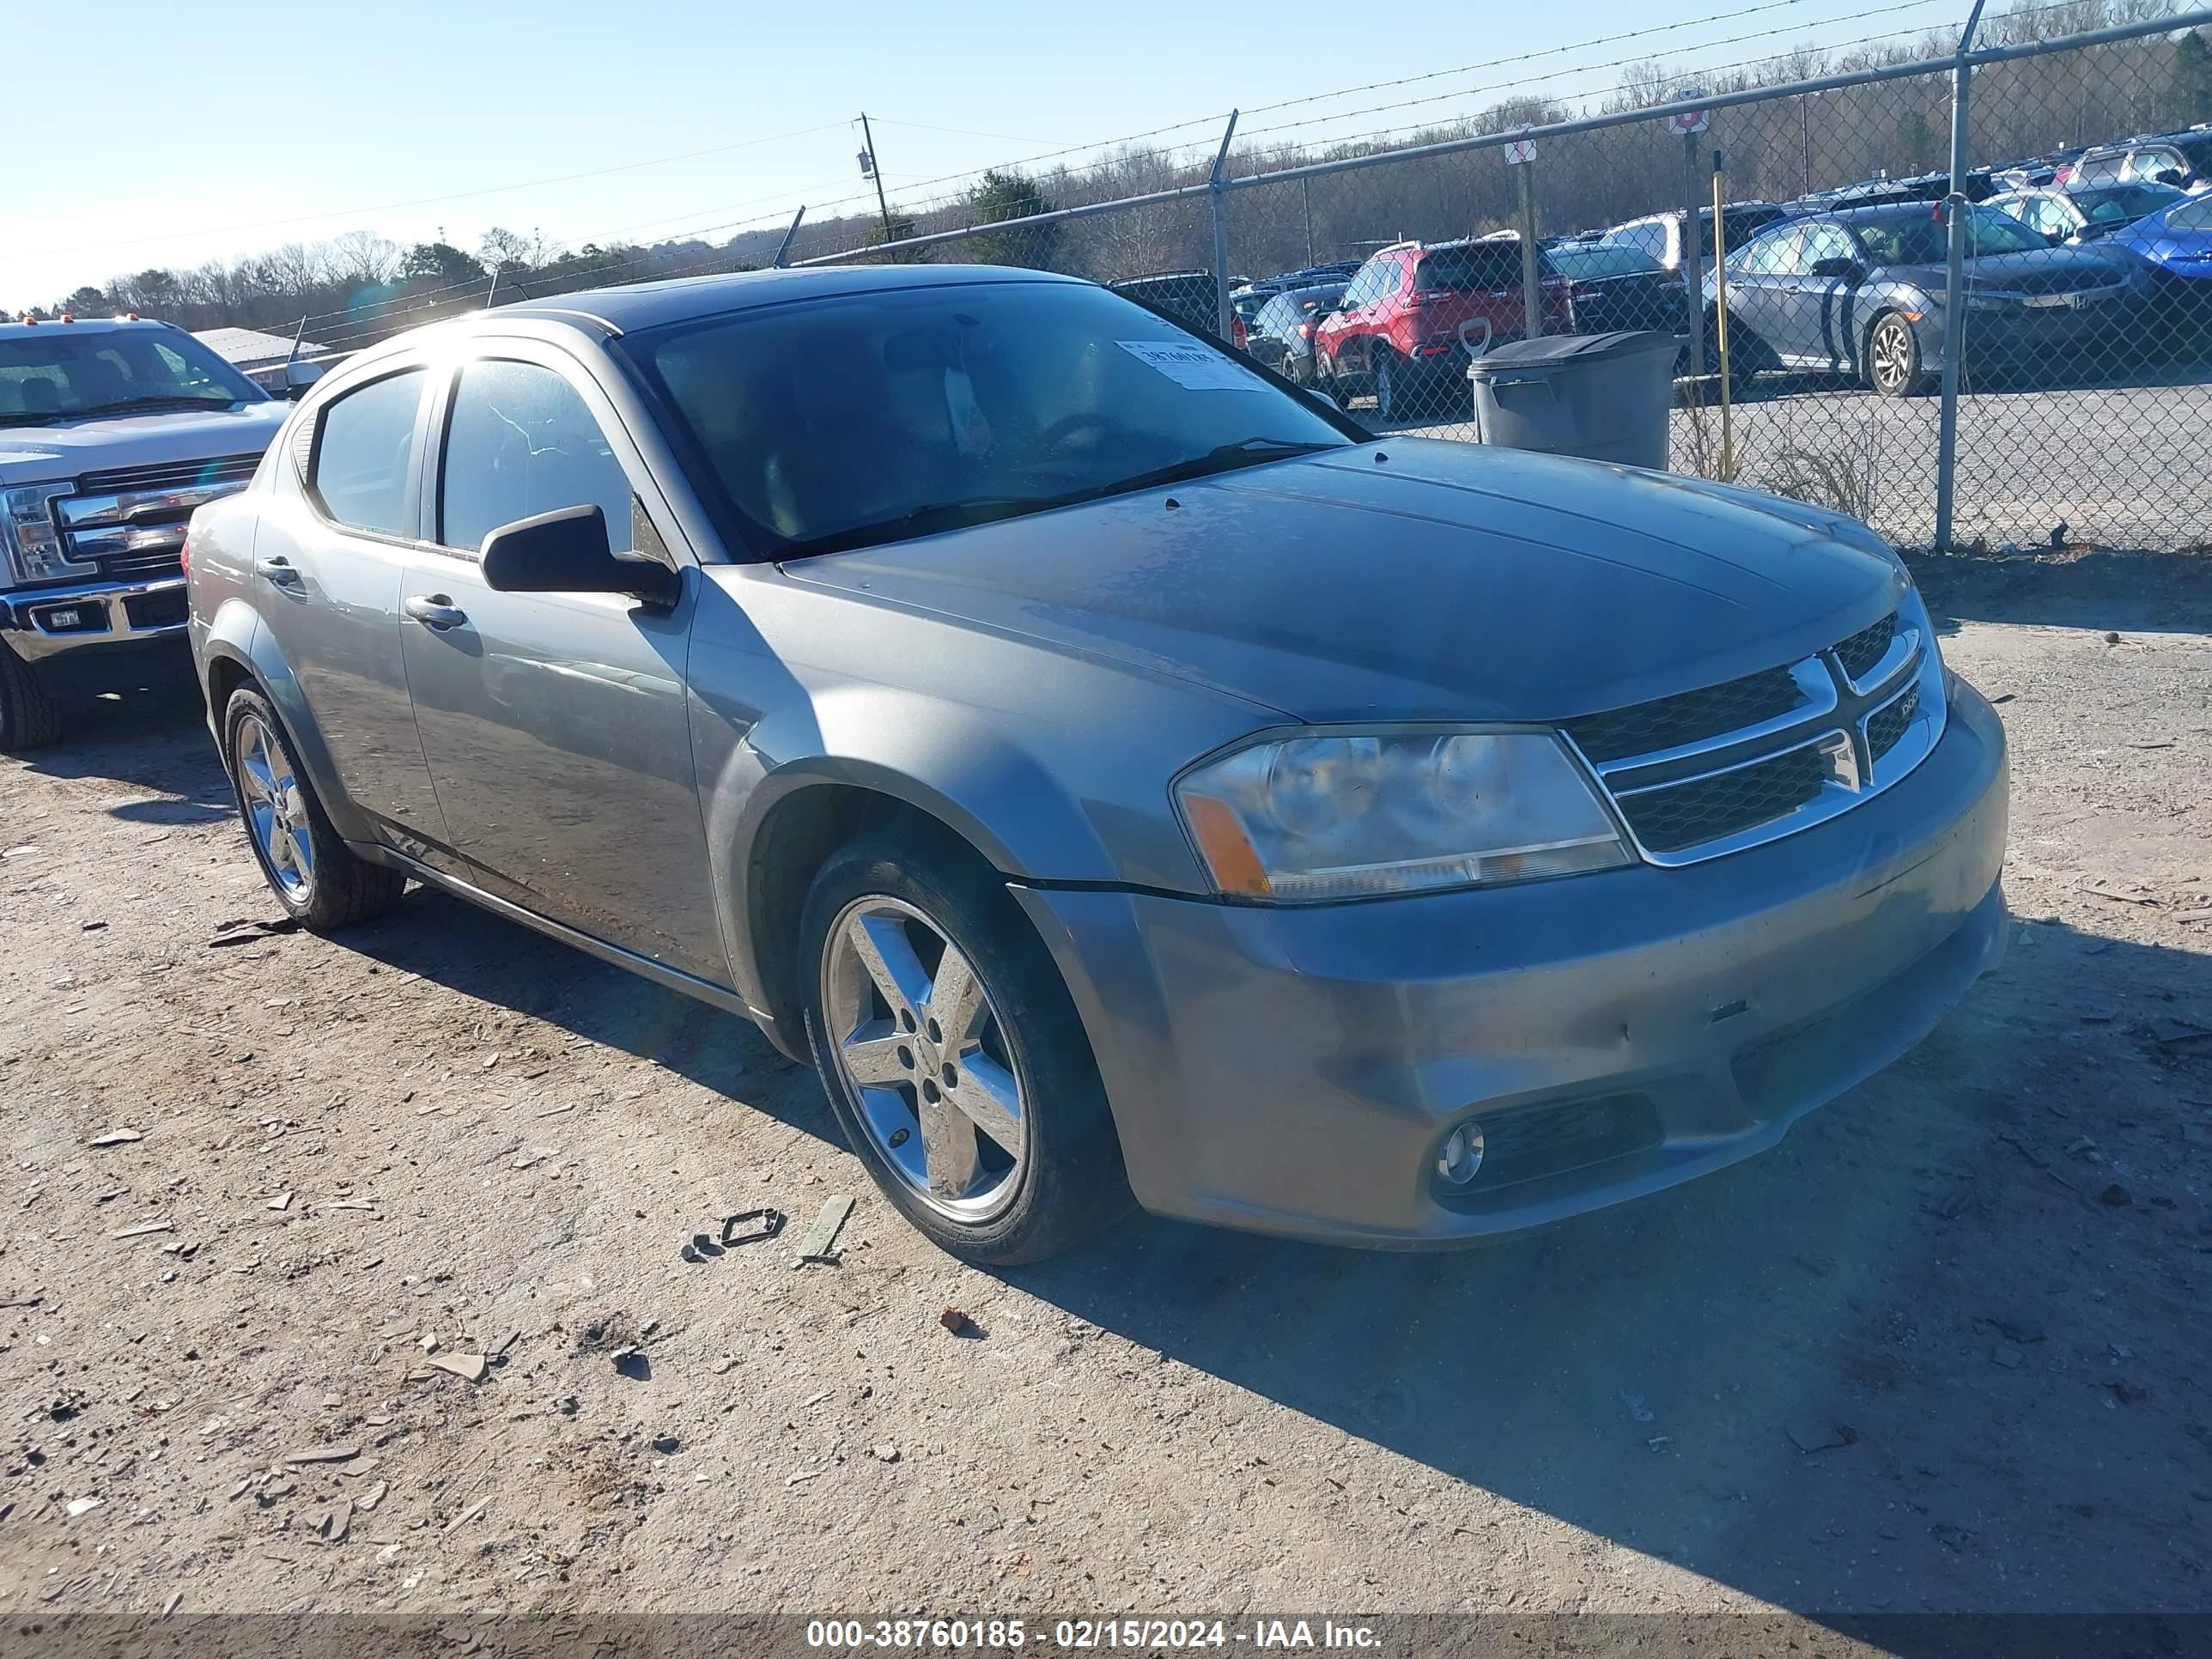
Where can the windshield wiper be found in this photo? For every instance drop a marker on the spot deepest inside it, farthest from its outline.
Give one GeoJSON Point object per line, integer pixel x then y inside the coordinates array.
{"type": "Point", "coordinates": [1222, 457]}
{"type": "Point", "coordinates": [124, 405]}
{"type": "Point", "coordinates": [926, 519]}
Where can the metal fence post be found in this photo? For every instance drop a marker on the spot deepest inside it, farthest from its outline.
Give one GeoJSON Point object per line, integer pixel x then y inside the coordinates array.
{"type": "Point", "coordinates": [1532, 303]}
{"type": "Point", "coordinates": [1218, 200]}
{"type": "Point", "coordinates": [783, 248]}
{"type": "Point", "coordinates": [1694, 253]}
{"type": "Point", "coordinates": [1956, 213]}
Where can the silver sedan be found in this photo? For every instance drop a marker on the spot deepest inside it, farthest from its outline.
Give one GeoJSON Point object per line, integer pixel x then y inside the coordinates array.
{"type": "Point", "coordinates": [1119, 774]}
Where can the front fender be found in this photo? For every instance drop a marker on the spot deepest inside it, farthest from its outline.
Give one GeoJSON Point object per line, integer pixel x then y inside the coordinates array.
{"type": "Point", "coordinates": [234, 635]}
{"type": "Point", "coordinates": [951, 764]}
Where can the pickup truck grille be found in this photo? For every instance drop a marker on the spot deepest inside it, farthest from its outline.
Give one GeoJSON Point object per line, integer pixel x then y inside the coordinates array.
{"type": "Point", "coordinates": [1713, 771]}
{"type": "Point", "coordinates": [130, 520]}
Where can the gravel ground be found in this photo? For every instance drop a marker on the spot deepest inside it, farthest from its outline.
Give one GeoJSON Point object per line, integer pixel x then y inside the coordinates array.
{"type": "Point", "coordinates": [2118, 466]}
{"type": "Point", "coordinates": [1976, 1287]}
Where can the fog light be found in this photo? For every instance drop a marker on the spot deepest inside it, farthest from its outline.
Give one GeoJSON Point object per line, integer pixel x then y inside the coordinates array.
{"type": "Point", "coordinates": [1462, 1155]}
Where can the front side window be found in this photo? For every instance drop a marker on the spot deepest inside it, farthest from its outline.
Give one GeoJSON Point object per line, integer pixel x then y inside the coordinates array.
{"type": "Point", "coordinates": [362, 452]}
{"type": "Point", "coordinates": [878, 416]}
{"type": "Point", "coordinates": [2098, 170]}
{"type": "Point", "coordinates": [2156, 163]}
{"type": "Point", "coordinates": [1824, 242]}
{"type": "Point", "coordinates": [520, 441]}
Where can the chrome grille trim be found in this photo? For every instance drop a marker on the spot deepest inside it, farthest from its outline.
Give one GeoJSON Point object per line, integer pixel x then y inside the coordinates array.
{"type": "Point", "coordinates": [1866, 733]}
{"type": "Point", "coordinates": [130, 521]}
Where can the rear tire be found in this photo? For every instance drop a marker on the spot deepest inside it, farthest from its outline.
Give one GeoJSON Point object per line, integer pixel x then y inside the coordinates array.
{"type": "Point", "coordinates": [29, 717]}
{"type": "Point", "coordinates": [1389, 385]}
{"type": "Point", "coordinates": [319, 880]}
{"type": "Point", "coordinates": [1893, 357]}
{"type": "Point", "coordinates": [950, 1172]}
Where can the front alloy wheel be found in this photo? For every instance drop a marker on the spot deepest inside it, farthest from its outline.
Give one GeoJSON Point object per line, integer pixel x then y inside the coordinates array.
{"type": "Point", "coordinates": [951, 1053]}
{"type": "Point", "coordinates": [919, 1041]}
{"type": "Point", "coordinates": [1387, 392]}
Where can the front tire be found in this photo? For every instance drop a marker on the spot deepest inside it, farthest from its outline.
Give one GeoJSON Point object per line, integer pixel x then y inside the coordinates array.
{"type": "Point", "coordinates": [315, 876]}
{"type": "Point", "coordinates": [1893, 357]}
{"type": "Point", "coordinates": [952, 1055]}
{"type": "Point", "coordinates": [29, 718]}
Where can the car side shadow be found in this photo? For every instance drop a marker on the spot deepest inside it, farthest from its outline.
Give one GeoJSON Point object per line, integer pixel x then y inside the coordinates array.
{"type": "Point", "coordinates": [467, 949]}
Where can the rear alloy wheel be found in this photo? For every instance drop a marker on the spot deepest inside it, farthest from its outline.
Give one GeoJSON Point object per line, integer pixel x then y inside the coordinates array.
{"type": "Point", "coordinates": [1389, 386]}
{"type": "Point", "coordinates": [316, 876]}
{"type": "Point", "coordinates": [953, 1058]}
{"type": "Point", "coordinates": [29, 718]}
{"type": "Point", "coordinates": [1893, 357]}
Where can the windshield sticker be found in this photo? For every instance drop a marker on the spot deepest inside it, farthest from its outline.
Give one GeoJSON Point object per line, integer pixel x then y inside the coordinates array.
{"type": "Point", "coordinates": [1193, 366]}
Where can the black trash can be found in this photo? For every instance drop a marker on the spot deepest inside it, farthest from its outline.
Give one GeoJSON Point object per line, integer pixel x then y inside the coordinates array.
{"type": "Point", "coordinates": [1602, 397]}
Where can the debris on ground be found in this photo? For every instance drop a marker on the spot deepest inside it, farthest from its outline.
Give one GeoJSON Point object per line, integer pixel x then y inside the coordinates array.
{"type": "Point", "coordinates": [1813, 1434]}
{"type": "Point", "coordinates": [885, 1453]}
{"type": "Point", "coordinates": [246, 932]}
{"type": "Point", "coordinates": [469, 1367]}
{"type": "Point", "coordinates": [144, 1228]}
{"type": "Point", "coordinates": [468, 1514]}
{"type": "Point", "coordinates": [2116, 1197]}
{"type": "Point", "coordinates": [749, 1226]}
{"type": "Point", "coordinates": [1637, 1408]}
{"type": "Point", "coordinates": [338, 1453]}
{"type": "Point", "coordinates": [822, 1237]}
{"type": "Point", "coordinates": [956, 1322]}
{"type": "Point", "coordinates": [116, 1138]}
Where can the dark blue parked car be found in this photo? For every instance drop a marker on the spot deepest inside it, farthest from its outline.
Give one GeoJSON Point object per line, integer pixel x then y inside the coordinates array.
{"type": "Point", "coordinates": [2175, 245]}
{"type": "Point", "coordinates": [1861, 293]}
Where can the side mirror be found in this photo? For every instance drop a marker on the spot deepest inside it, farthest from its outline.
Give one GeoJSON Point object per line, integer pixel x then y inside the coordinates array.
{"type": "Point", "coordinates": [1850, 270]}
{"type": "Point", "coordinates": [299, 376]}
{"type": "Point", "coordinates": [566, 551]}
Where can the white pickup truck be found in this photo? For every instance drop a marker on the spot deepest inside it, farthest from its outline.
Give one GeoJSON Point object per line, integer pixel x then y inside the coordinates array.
{"type": "Point", "coordinates": [111, 434]}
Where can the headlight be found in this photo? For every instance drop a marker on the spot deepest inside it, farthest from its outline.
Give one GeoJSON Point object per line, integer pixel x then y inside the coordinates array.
{"type": "Point", "coordinates": [1356, 814]}
{"type": "Point", "coordinates": [30, 537]}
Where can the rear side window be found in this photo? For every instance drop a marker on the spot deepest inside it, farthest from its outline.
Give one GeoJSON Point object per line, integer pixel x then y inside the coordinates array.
{"type": "Point", "coordinates": [368, 438]}
{"type": "Point", "coordinates": [1482, 266]}
{"type": "Point", "coordinates": [521, 442]}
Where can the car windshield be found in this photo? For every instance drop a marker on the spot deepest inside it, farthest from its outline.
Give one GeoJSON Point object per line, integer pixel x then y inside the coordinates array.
{"type": "Point", "coordinates": [60, 373]}
{"type": "Point", "coordinates": [1915, 237]}
{"type": "Point", "coordinates": [1586, 262]}
{"type": "Point", "coordinates": [1475, 266]}
{"type": "Point", "coordinates": [2123, 205]}
{"type": "Point", "coordinates": [873, 417]}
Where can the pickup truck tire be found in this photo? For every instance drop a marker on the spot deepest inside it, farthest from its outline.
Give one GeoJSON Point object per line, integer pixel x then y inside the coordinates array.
{"type": "Point", "coordinates": [1389, 385]}
{"type": "Point", "coordinates": [925, 915]}
{"type": "Point", "coordinates": [29, 718]}
{"type": "Point", "coordinates": [319, 880]}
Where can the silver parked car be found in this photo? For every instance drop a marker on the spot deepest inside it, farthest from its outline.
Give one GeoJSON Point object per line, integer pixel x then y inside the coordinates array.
{"type": "Point", "coordinates": [1117, 772]}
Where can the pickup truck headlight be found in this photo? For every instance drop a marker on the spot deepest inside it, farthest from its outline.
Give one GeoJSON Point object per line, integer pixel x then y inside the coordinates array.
{"type": "Point", "coordinates": [31, 539]}
{"type": "Point", "coordinates": [1337, 815]}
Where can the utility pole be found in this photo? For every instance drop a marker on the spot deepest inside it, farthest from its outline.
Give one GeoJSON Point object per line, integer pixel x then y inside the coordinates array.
{"type": "Point", "coordinates": [868, 166]}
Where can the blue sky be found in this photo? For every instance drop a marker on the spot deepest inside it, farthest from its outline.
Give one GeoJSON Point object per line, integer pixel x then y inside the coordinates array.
{"type": "Point", "coordinates": [217, 132]}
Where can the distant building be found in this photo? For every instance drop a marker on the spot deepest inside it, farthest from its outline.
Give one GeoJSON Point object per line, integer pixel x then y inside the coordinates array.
{"type": "Point", "coordinates": [261, 357]}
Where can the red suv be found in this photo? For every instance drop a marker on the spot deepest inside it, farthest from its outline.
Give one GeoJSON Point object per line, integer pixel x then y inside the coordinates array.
{"type": "Point", "coordinates": [1408, 321]}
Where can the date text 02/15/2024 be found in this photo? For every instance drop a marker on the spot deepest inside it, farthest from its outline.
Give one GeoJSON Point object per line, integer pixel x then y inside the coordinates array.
{"type": "Point", "coordinates": [1123, 1634]}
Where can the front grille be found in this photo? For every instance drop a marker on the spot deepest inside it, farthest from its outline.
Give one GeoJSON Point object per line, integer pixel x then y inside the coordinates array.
{"type": "Point", "coordinates": [1887, 724]}
{"type": "Point", "coordinates": [1705, 809]}
{"type": "Point", "coordinates": [1687, 717]}
{"type": "Point", "coordinates": [170, 475]}
{"type": "Point", "coordinates": [144, 566]}
{"type": "Point", "coordinates": [1862, 653]}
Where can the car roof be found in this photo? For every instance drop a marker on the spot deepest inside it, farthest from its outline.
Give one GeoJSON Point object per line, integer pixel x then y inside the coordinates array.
{"type": "Point", "coordinates": [10, 330]}
{"type": "Point", "coordinates": [647, 305]}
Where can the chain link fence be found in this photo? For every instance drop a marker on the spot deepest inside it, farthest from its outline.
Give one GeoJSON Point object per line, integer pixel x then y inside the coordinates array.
{"type": "Point", "coordinates": [2083, 384]}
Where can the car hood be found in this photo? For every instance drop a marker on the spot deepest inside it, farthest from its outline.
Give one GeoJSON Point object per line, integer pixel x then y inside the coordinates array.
{"type": "Point", "coordinates": [2040, 271]}
{"type": "Point", "coordinates": [36, 454]}
{"type": "Point", "coordinates": [1413, 579]}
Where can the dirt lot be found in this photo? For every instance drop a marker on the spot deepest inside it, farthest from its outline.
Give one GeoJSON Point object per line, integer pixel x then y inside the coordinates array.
{"type": "Point", "coordinates": [1976, 1287]}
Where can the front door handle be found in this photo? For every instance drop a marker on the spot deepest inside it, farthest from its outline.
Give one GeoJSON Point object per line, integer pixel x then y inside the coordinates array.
{"type": "Point", "coordinates": [278, 569]}
{"type": "Point", "coordinates": [436, 612]}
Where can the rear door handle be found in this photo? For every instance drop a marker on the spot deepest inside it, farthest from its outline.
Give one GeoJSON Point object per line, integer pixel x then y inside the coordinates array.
{"type": "Point", "coordinates": [436, 612]}
{"type": "Point", "coordinates": [278, 569]}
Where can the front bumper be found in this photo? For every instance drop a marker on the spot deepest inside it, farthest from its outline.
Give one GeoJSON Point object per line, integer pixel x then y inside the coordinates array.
{"type": "Point", "coordinates": [1295, 1071]}
{"type": "Point", "coordinates": [44, 622]}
